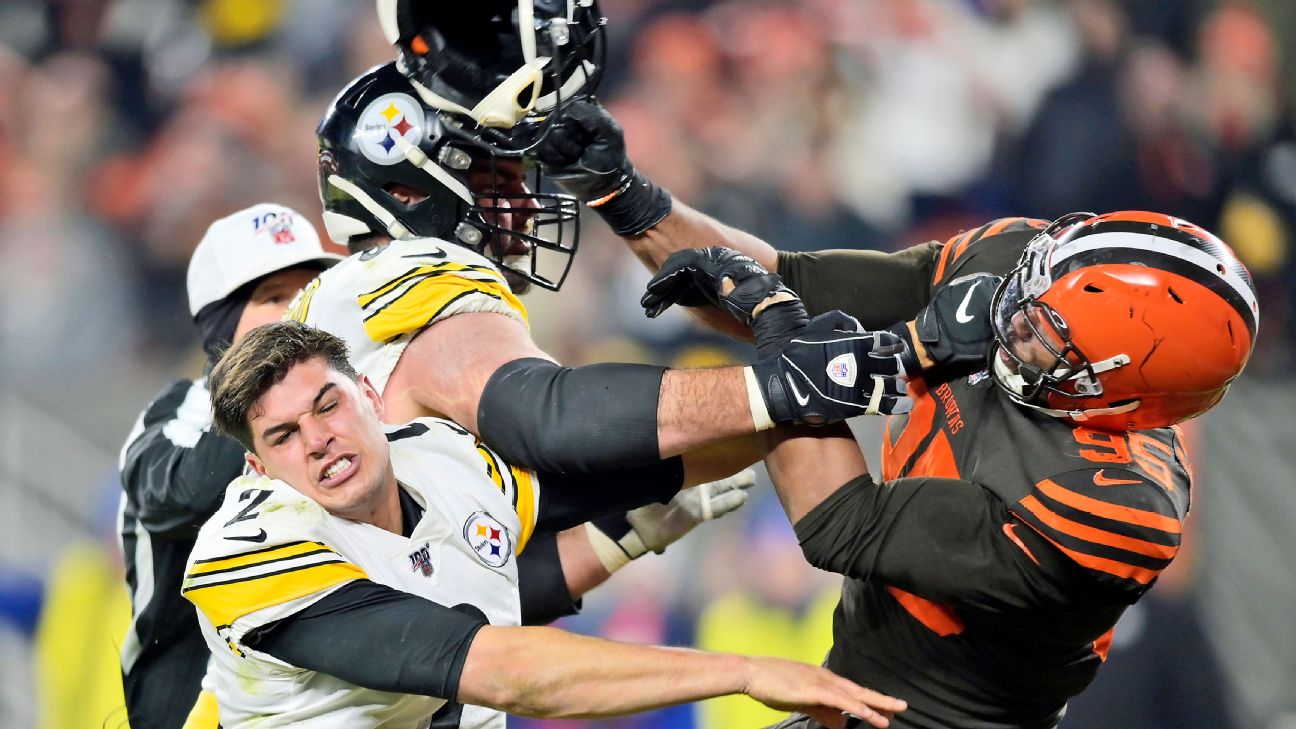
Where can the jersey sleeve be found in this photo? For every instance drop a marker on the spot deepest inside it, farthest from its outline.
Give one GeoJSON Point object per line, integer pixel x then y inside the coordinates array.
{"type": "Point", "coordinates": [1117, 524]}
{"type": "Point", "coordinates": [945, 540]}
{"type": "Point", "coordinates": [521, 486]}
{"type": "Point", "coordinates": [174, 466]}
{"type": "Point", "coordinates": [879, 289]}
{"type": "Point", "coordinates": [263, 557]}
{"type": "Point", "coordinates": [410, 285]}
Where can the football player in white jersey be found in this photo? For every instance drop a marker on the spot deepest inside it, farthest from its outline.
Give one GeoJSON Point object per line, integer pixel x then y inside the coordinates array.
{"type": "Point", "coordinates": [366, 575]}
{"type": "Point", "coordinates": [446, 233]}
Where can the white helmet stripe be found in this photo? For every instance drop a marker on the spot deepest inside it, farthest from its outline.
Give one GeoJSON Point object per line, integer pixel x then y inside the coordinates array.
{"type": "Point", "coordinates": [394, 227]}
{"type": "Point", "coordinates": [435, 171]}
{"type": "Point", "coordinates": [1148, 242]}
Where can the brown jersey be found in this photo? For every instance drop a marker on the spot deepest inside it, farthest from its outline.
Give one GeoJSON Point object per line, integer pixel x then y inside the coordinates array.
{"type": "Point", "coordinates": [987, 568]}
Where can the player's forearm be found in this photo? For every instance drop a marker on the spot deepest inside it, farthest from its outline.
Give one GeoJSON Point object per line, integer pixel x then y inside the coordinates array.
{"type": "Point", "coordinates": [807, 465]}
{"type": "Point", "coordinates": [549, 673]}
{"type": "Point", "coordinates": [580, 564]}
{"type": "Point", "coordinates": [697, 408]}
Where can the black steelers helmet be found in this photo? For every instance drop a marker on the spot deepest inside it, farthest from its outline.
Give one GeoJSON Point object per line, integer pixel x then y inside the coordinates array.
{"type": "Point", "coordinates": [494, 63]}
{"type": "Point", "coordinates": [379, 137]}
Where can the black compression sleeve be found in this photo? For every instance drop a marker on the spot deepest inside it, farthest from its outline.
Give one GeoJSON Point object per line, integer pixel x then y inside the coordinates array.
{"type": "Point", "coordinates": [573, 498]}
{"type": "Point", "coordinates": [877, 288]}
{"type": "Point", "coordinates": [599, 417]}
{"type": "Point", "coordinates": [542, 586]}
{"type": "Point", "coordinates": [377, 637]}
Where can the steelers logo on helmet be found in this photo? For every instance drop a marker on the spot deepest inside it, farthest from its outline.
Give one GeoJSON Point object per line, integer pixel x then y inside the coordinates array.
{"type": "Point", "coordinates": [386, 124]}
{"type": "Point", "coordinates": [488, 538]}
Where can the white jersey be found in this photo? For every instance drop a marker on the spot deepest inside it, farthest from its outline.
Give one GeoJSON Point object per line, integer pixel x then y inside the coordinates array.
{"type": "Point", "coordinates": [270, 552]}
{"type": "Point", "coordinates": [377, 300]}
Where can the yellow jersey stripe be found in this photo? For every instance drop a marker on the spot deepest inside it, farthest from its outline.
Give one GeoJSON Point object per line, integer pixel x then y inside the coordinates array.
{"type": "Point", "coordinates": [255, 557]}
{"type": "Point", "coordinates": [227, 601]}
{"type": "Point", "coordinates": [425, 300]}
{"type": "Point", "coordinates": [433, 270]}
{"type": "Point", "coordinates": [526, 504]}
{"type": "Point", "coordinates": [300, 305]}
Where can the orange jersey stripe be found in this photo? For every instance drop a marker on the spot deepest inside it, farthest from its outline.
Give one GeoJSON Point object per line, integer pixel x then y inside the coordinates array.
{"type": "Point", "coordinates": [1103, 643]}
{"type": "Point", "coordinates": [945, 256]}
{"type": "Point", "coordinates": [916, 428]}
{"type": "Point", "coordinates": [940, 619]}
{"type": "Point", "coordinates": [1127, 514]}
{"type": "Point", "coordinates": [1141, 575]}
{"type": "Point", "coordinates": [1097, 536]}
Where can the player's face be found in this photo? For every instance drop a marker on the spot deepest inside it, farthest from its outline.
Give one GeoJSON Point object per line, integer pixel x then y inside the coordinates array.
{"type": "Point", "coordinates": [1025, 338]}
{"type": "Point", "coordinates": [501, 185]}
{"type": "Point", "coordinates": [271, 298]}
{"type": "Point", "coordinates": [319, 431]}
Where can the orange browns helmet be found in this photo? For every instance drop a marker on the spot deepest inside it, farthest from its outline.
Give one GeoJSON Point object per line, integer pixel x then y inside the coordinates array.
{"type": "Point", "coordinates": [1144, 321]}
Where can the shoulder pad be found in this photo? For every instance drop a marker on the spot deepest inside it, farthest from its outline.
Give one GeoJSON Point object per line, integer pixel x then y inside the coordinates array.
{"type": "Point", "coordinates": [266, 546]}
{"type": "Point", "coordinates": [1114, 522]}
{"type": "Point", "coordinates": [1002, 240]}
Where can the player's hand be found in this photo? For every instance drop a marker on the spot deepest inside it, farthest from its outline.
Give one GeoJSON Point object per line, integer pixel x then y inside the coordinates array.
{"type": "Point", "coordinates": [654, 527]}
{"type": "Point", "coordinates": [730, 281]}
{"type": "Point", "coordinates": [833, 370]}
{"type": "Point", "coordinates": [693, 277]}
{"type": "Point", "coordinates": [816, 692]}
{"type": "Point", "coordinates": [660, 525]}
{"type": "Point", "coordinates": [955, 329]}
{"type": "Point", "coordinates": [584, 151]}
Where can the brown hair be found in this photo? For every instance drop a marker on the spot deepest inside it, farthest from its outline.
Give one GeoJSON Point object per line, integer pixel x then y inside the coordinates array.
{"type": "Point", "coordinates": [259, 361]}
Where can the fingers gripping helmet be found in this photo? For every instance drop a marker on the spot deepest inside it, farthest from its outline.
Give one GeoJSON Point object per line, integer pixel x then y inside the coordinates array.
{"type": "Point", "coordinates": [1123, 321]}
{"type": "Point", "coordinates": [495, 61]}
{"type": "Point", "coordinates": [378, 137]}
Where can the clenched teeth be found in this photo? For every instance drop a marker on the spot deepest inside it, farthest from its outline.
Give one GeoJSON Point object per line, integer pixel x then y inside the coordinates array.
{"type": "Point", "coordinates": [342, 465]}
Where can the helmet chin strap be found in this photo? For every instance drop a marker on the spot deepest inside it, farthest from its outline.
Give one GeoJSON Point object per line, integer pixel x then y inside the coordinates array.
{"type": "Point", "coordinates": [1016, 384]}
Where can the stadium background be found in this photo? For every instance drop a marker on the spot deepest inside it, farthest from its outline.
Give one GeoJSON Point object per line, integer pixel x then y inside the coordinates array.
{"type": "Point", "coordinates": [127, 126]}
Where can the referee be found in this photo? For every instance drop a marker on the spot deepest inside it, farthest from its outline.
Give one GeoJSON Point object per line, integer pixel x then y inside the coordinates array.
{"type": "Point", "coordinates": [175, 467]}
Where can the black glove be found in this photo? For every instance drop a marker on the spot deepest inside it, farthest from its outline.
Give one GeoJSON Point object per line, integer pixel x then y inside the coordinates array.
{"type": "Point", "coordinates": [693, 277]}
{"type": "Point", "coordinates": [955, 327]}
{"type": "Point", "coordinates": [833, 370]}
{"type": "Point", "coordinates": [584, 152]}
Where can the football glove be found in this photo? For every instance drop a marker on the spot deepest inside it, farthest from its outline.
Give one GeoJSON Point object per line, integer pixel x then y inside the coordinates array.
{"type": "Point", "coordinates": [696, 277]}
{"type": "Point", "coordinates": [833, 370]}
{"type": "Point", "coordinates": [620, 538]}
{"type": "Point", "coordinates": [584, 152]}
{"type": "Point", "coordinates": [954, 328]}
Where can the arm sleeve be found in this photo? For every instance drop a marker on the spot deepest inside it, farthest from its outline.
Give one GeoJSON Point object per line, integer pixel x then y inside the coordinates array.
{"type": "Point", "coordinates": [600, 417]}
{"type": "Point", "coordinates": [374, 636]}
{"type": "Point", "coordinates": [877, 288]}
{"type": "Point", "coordinates": [542, 585]}
{"type": "Point", "coordinates": [570, 499]}
{"type": "Point", "coordinates": [943, 539]}
{"type": "Point", "coordinates": [174, 468]}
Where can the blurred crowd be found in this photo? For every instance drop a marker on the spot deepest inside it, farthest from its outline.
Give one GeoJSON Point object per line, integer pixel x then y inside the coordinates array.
{"type": "Point", "coordinates": [126, 126]}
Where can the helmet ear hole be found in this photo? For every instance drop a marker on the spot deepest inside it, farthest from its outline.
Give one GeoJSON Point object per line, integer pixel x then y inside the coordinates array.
{"type": "Point", "coordinates": [1092, 289]}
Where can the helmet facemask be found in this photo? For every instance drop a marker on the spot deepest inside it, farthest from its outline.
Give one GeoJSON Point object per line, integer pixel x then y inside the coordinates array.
{"type": "Point", "coordinates": [1036, 360]}
{"type": "Point", "coordinates": [532, 235]}
{"type": "Point", "coordinates": [389, 168]}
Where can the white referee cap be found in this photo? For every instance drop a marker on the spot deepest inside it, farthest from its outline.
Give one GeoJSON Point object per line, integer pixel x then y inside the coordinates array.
{"type": "Point", "coordinates": [247, 245]}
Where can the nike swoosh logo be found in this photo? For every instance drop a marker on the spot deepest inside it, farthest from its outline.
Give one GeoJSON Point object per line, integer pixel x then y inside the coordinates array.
{"type": "Point", "coordinates": [962, 316]}
{"type": "Point", "coordinates": [258, 537]}
{"type": "Point", "coordinates": [801, 400]}
{"type": "Point", "coordinates": [434, 253]}
{"type": "Point", "coordinates": [1101, 480]}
